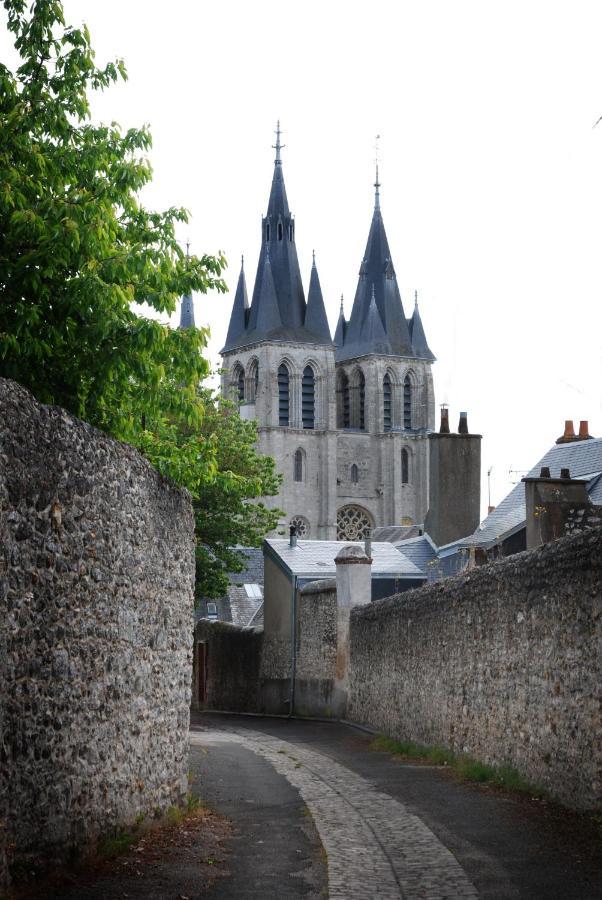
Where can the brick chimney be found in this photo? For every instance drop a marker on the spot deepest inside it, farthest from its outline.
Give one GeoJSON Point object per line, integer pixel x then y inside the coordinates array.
{"type": "Point", "coordinates": [555, 506]}
{"type": "Point", "coordinates": [454, 482]}
{"type": "Point", "coordinates": [569, 432]}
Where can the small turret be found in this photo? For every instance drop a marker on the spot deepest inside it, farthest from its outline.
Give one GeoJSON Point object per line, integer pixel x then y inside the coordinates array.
{"type": "Point", "coordinates": [315, 315]}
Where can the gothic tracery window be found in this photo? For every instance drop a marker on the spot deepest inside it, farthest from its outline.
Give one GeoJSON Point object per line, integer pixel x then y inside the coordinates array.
{"type": "Point", "coordinates": [238, 382]}
{"type": "Point", "coordinates": [342, 399]}
{"type": "Point", "coordinates": [308, 397]}
{"type": "Point", "coordinates": [283, 395]}
{"type": "Point", "coordinates": [353, 524]}
{"type": "Point", "coordinates": [387, 402]}
{"type": "Point", "coordinates": [407, 403]}
{"type": "Point", "coordinates": [302, 526]}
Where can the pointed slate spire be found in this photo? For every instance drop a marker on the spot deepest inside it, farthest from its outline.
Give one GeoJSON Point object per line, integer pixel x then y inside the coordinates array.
{"type": "Point", "coordinates": [316, 321]}
{"type": "Point", "coordinates": [377, 276]}
{"type": "Point", "coordinates": [240, 310]}
{"type": "Point", "coordinates": [339, 335]}
{"type": "Point", "coordinates": [419, 343]}
{"type": "Point", "coordinates": [187, 305]}
{"type": "Point", "coordinates": [373, 333]}
{"type": "Point", "coordinates": [187, 312]}
{"type": "Point", "coordinates": [268, 316]}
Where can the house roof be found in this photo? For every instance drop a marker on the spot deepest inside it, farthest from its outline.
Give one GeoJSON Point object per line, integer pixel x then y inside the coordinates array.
{"type": "Point", "coordinates": [582, 458]}
{"type": "Point", "coordinates": [419, 550]}
{"type": "Point", "coordinates": [316, 559]}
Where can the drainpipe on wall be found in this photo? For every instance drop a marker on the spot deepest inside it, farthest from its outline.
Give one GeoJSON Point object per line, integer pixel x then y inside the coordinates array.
{"type": "Point", "coordinates": [291, 701]}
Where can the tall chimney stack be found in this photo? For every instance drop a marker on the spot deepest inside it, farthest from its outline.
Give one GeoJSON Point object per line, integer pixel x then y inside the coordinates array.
{"type": "Point", "coordinates": [454, 482]}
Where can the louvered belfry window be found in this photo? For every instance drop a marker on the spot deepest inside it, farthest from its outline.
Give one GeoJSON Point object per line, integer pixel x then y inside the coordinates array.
{"type": "Point", "coordinates": [308, 397]}
{"type": "Point", "coordinates": [407, 403]}
{"type": "Point", "coordinates": [240, 384]}
{"type": "Point", "coordinates": [342, 400]}
{"type": "Point", "coordinates": [405, 467]}
{"type": "Point", "coordinates": [387, 402]}
{"type": "Point", "coordinates": [362, 401]}
{"type": "Point", "coordinates": [283, 395]}
{"type": "Point", "coordinates": [298, 465]}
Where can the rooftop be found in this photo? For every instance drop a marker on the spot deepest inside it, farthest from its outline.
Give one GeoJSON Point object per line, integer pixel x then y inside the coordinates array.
{"type": "Point", "coordinates": [316, 558]}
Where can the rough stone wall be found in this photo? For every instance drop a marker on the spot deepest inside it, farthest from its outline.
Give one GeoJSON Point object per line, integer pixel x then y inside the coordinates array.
{"type": "Point", "coordinates": [502, 663]}
{"type": "Point", "coordinates": [231, 658]}
{"type": "Point", "coordinates": [316, 649]}
{"type": "Point", "coordinates": [96, 613]}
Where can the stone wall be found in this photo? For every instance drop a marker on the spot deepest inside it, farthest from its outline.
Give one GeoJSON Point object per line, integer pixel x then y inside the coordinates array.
{"type": "Point", "coordinates": [226, 667]}
{"type": "Point", "coordinates": [315, 693]}
{"type": "Point", "coordinates": [502, 663]}
{"type": "Point", "coordinates": [96, 613]}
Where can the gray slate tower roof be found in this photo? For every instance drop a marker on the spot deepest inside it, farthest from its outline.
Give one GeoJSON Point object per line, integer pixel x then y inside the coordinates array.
{"type": "Point", "coordinates": [187, 312]}
{"type": "Point", "coordinates": [278, 310]}
{"type": "Point", "coordinates": [377, 298]}
{"type": "Point", "coordinates": [419, 343]}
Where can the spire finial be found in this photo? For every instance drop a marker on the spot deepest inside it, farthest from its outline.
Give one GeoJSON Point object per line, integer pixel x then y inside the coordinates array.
{"type": "Point", "coordinates": [416, 298]}
{"type": "Point", "coordinates": [278, 146]}
{"type": "Point", "coordinates": [376, 182]}
{"type": "Point", "coordinates": [342, 308]}
{"type": "Point", "coordinates": [313, 258]}
{"type": "Point", "coordinates": [187, 248]}
{"type": "Point", "coordinates": [242, 261]}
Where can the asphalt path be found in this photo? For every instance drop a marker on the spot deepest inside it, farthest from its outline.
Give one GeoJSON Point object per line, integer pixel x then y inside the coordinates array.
{"type": "Point", "coordinates": [311, 801]}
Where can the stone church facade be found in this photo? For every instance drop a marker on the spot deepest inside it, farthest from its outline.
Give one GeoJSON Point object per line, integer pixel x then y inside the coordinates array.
{"type": "Point", "coordinates": [346, 419]}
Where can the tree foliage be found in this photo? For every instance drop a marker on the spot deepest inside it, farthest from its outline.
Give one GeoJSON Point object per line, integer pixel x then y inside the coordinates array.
{"type": "Point", "coordinates": [77, 248]}
{"type": "Point", "coordinates": [77, 251]}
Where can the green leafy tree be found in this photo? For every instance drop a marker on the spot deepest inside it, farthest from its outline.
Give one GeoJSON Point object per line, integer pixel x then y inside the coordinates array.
{"type": "Point", "coordinates": [77, 252]}
{"type": "Point", "coordinates": [225, 513]}
{"type": "Point", "coordinates": [77, 248]}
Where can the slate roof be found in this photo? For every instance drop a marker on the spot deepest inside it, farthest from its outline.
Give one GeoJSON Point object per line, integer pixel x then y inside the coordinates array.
{"type": "Point", "coordinates": [583, 458]}
{"type": "Point", "coordinates": [419, 550]}
{"type": "Point", "coordinates": [377, 324]}
{"type": "Point", "coordinates": [316, 558]}
{"type": "Point", "coordinates": [237, 606]}
{"type": "Point", "coordinates": [278, 311]}
{"type": "Point", "coordinates": [187, 312]}
{"type": "Point", "coordinates": [395, 533]}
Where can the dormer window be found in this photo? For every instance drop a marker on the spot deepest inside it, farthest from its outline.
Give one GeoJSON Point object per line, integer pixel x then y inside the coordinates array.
{"type": "Point", "coordinates": [279, 231]}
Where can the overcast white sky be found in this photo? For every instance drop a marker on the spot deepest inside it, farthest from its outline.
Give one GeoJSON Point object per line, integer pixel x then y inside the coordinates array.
{"type": "Point", "coordinates": [491, 173]}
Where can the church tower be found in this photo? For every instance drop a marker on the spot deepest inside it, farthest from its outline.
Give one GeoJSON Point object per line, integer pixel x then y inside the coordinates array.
{"type": "Point", "coordinates": [346, 421]}
{"type": "Point", "coordinates": [278, 363]}
{"type": "Point", "coordinates": [384, 397]}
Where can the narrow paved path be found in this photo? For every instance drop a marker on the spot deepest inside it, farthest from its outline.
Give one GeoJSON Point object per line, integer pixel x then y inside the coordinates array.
{"type": "Point", "coordinates": [388, 829]}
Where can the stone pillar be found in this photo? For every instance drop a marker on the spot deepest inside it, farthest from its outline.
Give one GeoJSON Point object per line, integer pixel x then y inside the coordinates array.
{"type": "Point", "coordinates": [354, 586]}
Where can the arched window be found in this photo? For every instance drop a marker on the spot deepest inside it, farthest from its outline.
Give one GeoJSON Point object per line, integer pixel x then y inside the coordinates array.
{"type": "Point", "coordinates": [407, 403]}
{"type": "Point", "coordinates": [405, 467]}
{"type": "Point", "coordinates": [308, 397]}
{"type": "Point", "coordinates": [362, 401]}
{"type": "Point", "coordinates": [267, 231]}
{"type": "Point", "coordinates": [302, 526]}
{"type": "Point", "coordinates": [299, 465]}
{"type": "Point", "coordinates": [238, 382]}
{"type": "Point", "coordinates": [342, 400]}
{"type": "Point", "coordinates": [252, 380]}
{"type": "Point", "coordinates": [387, 391]}
{"type": "Point", "coordinates": [279, 231]}
{"type": "Point", "coordinates": [283, 395]}
{"type": "Point", "coordinates": [354, 474]}
{"type": "Point", "coordinates": [353, 524]}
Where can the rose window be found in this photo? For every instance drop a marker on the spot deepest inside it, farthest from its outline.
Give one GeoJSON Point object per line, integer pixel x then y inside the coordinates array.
{"type": "Point", "coordinates": [302, 526]}
{"type": "Point", "coordinates": [353, 524]}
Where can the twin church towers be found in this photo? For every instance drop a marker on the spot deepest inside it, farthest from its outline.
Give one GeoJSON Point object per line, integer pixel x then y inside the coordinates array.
{"type": "Point", "coordinates": [345, 418]}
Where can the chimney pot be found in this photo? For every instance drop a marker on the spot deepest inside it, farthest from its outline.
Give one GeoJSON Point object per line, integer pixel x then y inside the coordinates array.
{"type": "Point", "coordinates": [293, 536]}
{"type": "Point", "coordinates": [584, 434]}
{"type": "Point", "coordinates": [444, 429]}
{"type": "Point", "coordinates": [569, 433]}
{"type": "Point", "coordinates": [463, 423]}
{"type": "Point", "coordinates": [545, 472]}
{"type": "Point", "coordinates": [565, 473]}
